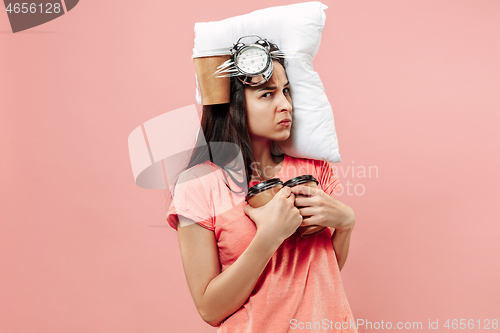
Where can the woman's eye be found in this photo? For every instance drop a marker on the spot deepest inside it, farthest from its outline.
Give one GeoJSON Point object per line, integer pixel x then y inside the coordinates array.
{"type": "Point", "coordinates": [266, 95]}
{"type": "Point", "coordinates": [286, 90]}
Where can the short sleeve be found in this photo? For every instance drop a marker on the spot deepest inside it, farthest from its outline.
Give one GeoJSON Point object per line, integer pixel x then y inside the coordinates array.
{"type": "Point", "coordinates": [327, 177]}
{"type": "Point", "coordinates": [192, 200]}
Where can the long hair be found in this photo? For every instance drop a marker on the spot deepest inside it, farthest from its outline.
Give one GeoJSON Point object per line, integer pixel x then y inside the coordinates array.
{"type": "Point", "coordinates": [228, 123]}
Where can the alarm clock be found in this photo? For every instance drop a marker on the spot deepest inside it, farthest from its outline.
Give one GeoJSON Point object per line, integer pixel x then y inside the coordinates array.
{"type": "Point", "coordinates": [253, 62]}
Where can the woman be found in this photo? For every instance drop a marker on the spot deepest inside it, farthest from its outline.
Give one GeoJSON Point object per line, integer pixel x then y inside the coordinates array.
{"type": "Point", "coordinates": [247, 269]}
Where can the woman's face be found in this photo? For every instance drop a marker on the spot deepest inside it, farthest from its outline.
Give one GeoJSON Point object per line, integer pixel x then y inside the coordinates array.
{"type": "Point", "coordinates": [269, 107]}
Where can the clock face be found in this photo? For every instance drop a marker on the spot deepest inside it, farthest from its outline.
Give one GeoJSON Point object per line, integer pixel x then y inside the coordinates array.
{"type": "Point", "coordinates": [252, 60]}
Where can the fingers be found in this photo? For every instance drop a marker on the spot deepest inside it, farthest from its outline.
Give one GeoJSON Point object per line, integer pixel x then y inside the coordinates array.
{"type": "Point", "coordinates": [307, 211]}
{"type": "Point", "coordinates": [301, 201]}
{"type": "Point", "coordinates": [304, 190]}
{"type": "Point", "coordinates": [309, 220]}
{"type": "Point", "coordinates": [287, 194]}
{"type": "Point", "coordinates": [286, 191]}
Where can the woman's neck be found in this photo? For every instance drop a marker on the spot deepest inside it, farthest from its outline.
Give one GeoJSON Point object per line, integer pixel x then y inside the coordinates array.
{"type": "Point", "coordinates": [267, 165]}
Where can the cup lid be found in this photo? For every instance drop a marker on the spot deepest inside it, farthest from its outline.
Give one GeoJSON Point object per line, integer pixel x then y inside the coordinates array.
{"type": "Point", "coordinates": [300, 180]}
{"type": "Point", "coordinates": [262, 186]}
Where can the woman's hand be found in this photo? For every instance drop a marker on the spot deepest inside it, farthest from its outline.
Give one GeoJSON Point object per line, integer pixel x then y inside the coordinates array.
{"type": "Point", "coordinates": [279, 218]}
{"type": "Point", "coordinates": [318, 208]}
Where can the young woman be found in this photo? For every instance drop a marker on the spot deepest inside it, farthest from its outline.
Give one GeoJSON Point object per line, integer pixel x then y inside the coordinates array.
{"type": "Point", "coordinates": [248, 270]}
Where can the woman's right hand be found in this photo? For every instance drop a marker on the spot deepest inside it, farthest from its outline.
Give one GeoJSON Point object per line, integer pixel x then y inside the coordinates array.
{"type": "Point", "coordinates": [279, 218]}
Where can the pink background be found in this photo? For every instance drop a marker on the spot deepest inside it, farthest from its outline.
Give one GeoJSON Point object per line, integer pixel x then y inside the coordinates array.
{"type": "Point", "coordinates": [416, 93]}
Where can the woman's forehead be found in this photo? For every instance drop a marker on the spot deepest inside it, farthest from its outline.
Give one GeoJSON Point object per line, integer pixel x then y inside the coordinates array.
{"type": "Point", "coordinates": [279, 73]}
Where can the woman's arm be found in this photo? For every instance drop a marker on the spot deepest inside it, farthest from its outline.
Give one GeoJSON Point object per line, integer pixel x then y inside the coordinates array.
{"type": "Point", "coordinates": [318, 208]}
{"type": "Point", "coordinates": [218, 295]}
{"type": "Point", "coordinates": [340, 242]}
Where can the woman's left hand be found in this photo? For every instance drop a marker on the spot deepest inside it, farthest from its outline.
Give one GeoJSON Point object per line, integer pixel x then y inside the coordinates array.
{"type": "Point", "coordinates": [318, 208]}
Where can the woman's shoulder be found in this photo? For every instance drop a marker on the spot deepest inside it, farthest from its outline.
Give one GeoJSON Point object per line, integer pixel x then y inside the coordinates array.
{"type": "Point", "coordinates": [206, 173]}
{"type": "Point", "coordinates": [200, 170]}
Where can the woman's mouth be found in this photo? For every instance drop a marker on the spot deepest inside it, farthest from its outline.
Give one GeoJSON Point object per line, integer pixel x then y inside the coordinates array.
{"type": "Point", "coordinates": [285, 122]}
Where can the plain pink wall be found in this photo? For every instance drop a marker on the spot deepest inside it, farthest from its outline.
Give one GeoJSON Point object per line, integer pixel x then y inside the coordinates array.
{"type": "Point", "coordinates": [416, 94]}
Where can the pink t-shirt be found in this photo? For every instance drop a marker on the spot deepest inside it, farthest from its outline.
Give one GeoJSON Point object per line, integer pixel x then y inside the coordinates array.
{"type": "Point", "coordinates": [300, 288]}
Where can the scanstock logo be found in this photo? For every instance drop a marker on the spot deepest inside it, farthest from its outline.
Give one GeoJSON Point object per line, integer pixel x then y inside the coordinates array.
{"type": "Point", "coordinates": [26, 15]}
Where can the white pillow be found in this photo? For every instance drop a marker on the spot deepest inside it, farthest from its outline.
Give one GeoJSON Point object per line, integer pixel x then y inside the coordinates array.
{"type": "Point", "coordinates": [296, 29]}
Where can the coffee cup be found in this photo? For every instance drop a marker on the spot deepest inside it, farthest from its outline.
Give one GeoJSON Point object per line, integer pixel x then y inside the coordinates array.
{"type": "Point", "coordinates": [260, 194]}
{"type": "Point", "coordinates": [306, 180]}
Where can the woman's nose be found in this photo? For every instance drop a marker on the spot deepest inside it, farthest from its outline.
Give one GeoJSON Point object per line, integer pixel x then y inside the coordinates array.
{"type": "Point", "coordinates": [284, 104]}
